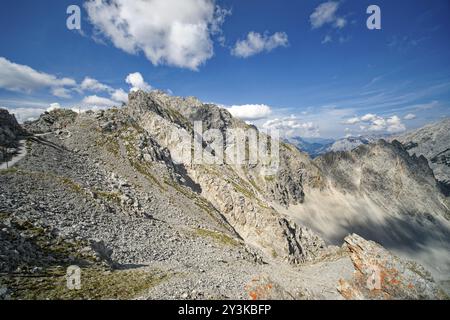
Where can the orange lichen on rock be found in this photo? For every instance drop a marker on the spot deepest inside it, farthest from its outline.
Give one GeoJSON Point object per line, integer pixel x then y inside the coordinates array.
{"type": "Point", "coordinates": [381, 275]}
{"type": "Point", "coordinates": [263, 288]}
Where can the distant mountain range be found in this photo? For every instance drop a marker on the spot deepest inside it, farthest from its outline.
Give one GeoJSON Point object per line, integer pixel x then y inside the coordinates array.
{"type": "Point", "coordinates": [318, 146]}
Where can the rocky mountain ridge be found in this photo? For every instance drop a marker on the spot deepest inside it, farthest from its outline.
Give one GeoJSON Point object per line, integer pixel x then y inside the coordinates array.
{"type": "Point", "coordinates": [115, 178]}
{"type": "Point", "coordinates": [431, 142]}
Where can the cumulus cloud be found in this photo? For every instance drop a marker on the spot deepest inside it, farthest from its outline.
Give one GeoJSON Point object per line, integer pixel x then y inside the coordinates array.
{"type": "Point", "coordinates": [291, 127]}
{"type": "Point", "coordinates": [256, 43]}
{"type": "Point", "coordinates": [30, 114]}
{"type": "Point", "coordinates": [53, 106]}
{"type": "Point", "coordinates": [250, 112]}
{"type": "Point", "coordinates": [171, 32]}
{"type": "Point", "coordinates": [99, 101]}
{"type": "Point", "coordinates": [61, 92]}
{"type": "Point", "coordinates": [120, 95]}
{"type": "Point", "coordinates": [116, 96]}
{"type": "Point", "coordinates": [326, 13]}
{"type": "Point", "coordinates": [136, 81]}
{"type": "Point", "coordinates": [394, 124]}
{"type": "Point", "coordinates": [22, 78]}
{"type": "Point", "coordinates": [26, 114]}
{"type": "Point", "coordinates": [374, 123]}
{"type": "Point", "coordinates": [90, 84]}
{"type": "Point", "coordinates": [369, 117]}
{"type": "Point", "coordinates": [354, 120]}
{"type": "Point", "coordinates": [409, 116]}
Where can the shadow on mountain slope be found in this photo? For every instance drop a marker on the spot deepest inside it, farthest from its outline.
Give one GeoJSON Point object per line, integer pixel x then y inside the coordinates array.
{"type": "Point", "coordinates": [408, 235]}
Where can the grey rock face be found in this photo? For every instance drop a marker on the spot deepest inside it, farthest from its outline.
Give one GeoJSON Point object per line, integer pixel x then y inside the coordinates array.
{"type": "Point", "coordinates": [51, 121]}
{"type": "Point", "coordinates": [9, 128]}
{"type": "Point", "coordinates": [381, 171]}
{"type": "Point", "coordinates": [348, 144]}
{"type": "Point", "coordinates": [233, 191]}
{"type": "Point", "coordinates": [432, 142]}
{"type": "Point", "coordinates": [384, 194]}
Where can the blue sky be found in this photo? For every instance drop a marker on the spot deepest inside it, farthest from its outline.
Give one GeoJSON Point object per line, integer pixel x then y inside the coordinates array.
{"type": "Point", "coordinates": [310, 68]}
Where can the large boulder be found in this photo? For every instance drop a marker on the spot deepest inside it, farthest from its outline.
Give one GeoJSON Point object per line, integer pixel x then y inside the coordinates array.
{"type": "Point", "coordinates": [381, 275]}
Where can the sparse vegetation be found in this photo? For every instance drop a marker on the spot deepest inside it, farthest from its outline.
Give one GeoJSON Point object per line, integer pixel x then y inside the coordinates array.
{"type": "Point", "coordinates": [219, 237]}
{"type": "Point", "coordinates": [111, 144]}
{"type": "Point", "coordinates": [109, 196]}
{"type": "Point", "coordinates": [71, 184]}
{"type": "Point", "coordinates": [8, 171]}
{"type": "Point", "coordinates": [96, 284]}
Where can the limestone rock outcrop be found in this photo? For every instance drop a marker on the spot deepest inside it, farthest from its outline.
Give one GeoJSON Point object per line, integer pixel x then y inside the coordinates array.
{"type": "Point", "coordinates": [380, 275]}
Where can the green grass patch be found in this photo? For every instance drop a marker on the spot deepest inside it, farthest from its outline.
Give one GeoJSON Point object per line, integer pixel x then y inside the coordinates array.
{"type": "Point", "coordinates": [96, 284]}
{"type": "Point", "coordinates": [219, 237]}
{"type": "Point", "coordinates": [9, 171]}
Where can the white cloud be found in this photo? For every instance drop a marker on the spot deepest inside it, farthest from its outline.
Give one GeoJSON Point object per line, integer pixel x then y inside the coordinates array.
{"type": "Point", "coordinates": [394, 124]}
{"type": "Point", "coordinates": [22, 78]}
{"type": "Point", "coordinates": [250, 111]}
{"type": "Point", "coordinates": [120, 95]}
{"type": "Point", "coordinates": [26, 114]}
{"type": "Point", "coordinates": [83, 109]}
{"type": "Point", "coordinates": [325, 13]}
{"type": "Point", "coordinates": [99, 101]}
{"type": "Point", "coordinates": [291, 127]}
{"type": "Point", "coordinates": [53, 106]}
{"type": "Point", "coordinates": [256, 43]}
{"type": "Point", "coordinates": [378, 124]}
{"type": "Point", "coordinates": [136, 81]}
{"type": "Point", "coordinates": [409, 116]}
{"type": "Point", "coordinates": [354, 120]}
{"type": "Point", "coordinates": [375, 123]}
{"type": "Point", "coordinates": [61, 93]}
{"type": "Point", "coordinates": [369, 117]}
{"type": "Point", "coordinates": [172, 32]}
{"type": "Point", "coordinates": [90, 84]}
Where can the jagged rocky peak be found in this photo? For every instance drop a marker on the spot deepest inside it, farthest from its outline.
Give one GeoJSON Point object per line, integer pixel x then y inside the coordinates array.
{"type": "Point", "coordinates": [431, 142]}
{"type": "Point", "coordinates": [182, 110]}
{"type": "Point", "coordinates": [386, 173]}
{"type": "Point", "coordinates": [348, 168]}
{"type": "Point", "coordinates": [158, 102]}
